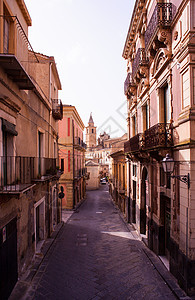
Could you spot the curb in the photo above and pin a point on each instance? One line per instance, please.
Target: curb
(24, 282)
(155, 260)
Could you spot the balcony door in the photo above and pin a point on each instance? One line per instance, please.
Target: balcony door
(6, 30)
(8, 161)
(167, 105)
(40, 152)
(144, 200)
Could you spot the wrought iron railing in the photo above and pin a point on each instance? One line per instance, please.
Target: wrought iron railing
(127, 82)
(78, 173)
(21, 35)
(79, 142)
(162, 16)
(18, 171)
(57, 109)
(159, 135)
(133, 144)
(140, 59)
(84, 171)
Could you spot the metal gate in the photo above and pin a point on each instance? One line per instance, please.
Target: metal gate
(8, 259)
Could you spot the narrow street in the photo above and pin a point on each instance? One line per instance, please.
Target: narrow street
(96, 257)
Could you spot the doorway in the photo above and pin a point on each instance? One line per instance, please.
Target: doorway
(8, 258)
(166, 220)
(39, 221)
(144, 195)
(134, 202)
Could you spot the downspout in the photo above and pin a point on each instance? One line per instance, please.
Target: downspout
(50, 113)
(73, 163)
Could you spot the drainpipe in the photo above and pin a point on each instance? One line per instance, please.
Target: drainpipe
(73, 162)
(50, 113)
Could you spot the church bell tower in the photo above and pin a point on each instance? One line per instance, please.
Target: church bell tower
(90, 133)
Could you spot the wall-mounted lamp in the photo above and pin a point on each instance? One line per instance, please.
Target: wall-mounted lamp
(168, 167)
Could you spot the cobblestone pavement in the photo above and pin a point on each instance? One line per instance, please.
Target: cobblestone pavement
(95, 256)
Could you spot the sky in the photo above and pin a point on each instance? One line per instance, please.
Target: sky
(86, 38)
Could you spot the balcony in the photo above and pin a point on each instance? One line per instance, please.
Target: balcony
(139, 60)
(15, 61)
(84, 171)
(57, 109)
(158, 136)
(134, 144)
(79, 144)
(19, 173)
(162, 17)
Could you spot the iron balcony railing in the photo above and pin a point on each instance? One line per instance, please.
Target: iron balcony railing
(162, 16)
(78, 142)
(133, 144)
(17, 172)
(159, 135)
(128, 82)
(80, 172)
(57, 109)
(84, 171)
(140, 59)
(19, 34)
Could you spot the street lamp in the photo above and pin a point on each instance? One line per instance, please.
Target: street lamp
(168, 167)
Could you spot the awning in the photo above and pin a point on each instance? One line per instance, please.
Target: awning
(9, 127)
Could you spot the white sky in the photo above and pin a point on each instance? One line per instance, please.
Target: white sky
(86, 38)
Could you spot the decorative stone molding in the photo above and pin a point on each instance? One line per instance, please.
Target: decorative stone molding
(159, 61)
(165, 37)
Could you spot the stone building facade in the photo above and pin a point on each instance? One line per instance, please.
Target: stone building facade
(118, 177)
(93, 181)
(160, 91)
(98, 150)
(72, 157)
(29, 113)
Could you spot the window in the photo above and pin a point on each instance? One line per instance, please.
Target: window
(68, 126)
(69, 161)
(167, 106)
(145, 116)
(8, 160)
(62, 164)
(134, 126)
(123, 177)
(186, 89)
(8, 32)
(40, 151)
(6, 35)
(92, 130)
(164, 105)
(135, 170)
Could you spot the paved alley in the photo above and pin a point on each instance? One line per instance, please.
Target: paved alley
(96, 257)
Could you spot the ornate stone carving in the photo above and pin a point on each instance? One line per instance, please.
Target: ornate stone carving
(161, 57)
(165, 37)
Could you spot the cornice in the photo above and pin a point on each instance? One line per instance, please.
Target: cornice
(72, 111)
(9, 103)
(132, 27)
(25, 12)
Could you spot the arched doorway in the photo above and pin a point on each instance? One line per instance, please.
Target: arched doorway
(144, 195)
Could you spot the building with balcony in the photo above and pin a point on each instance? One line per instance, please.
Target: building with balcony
(118, 177)
(72, 157)
(159, 51)
(29, 208)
